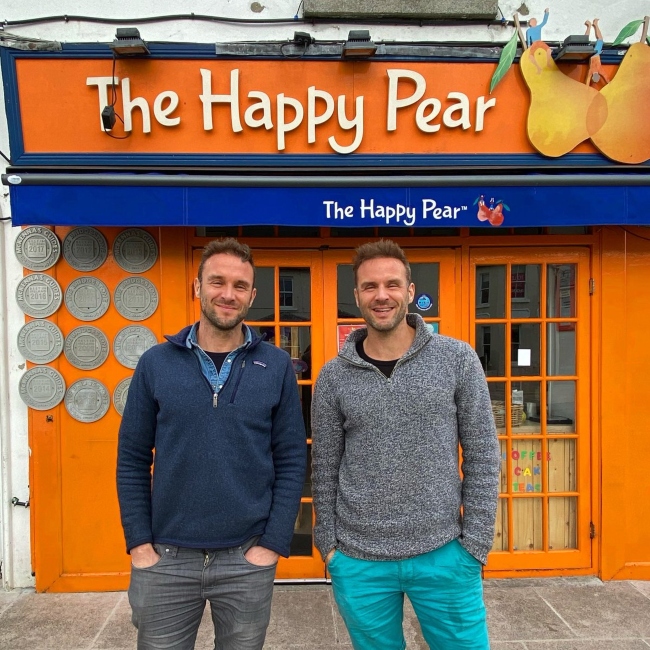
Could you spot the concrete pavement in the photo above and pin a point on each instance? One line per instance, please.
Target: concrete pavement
(544, 614)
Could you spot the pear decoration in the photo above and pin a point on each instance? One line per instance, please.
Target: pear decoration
(625, 135)
(563, 112)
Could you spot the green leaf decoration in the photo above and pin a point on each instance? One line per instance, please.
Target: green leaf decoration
(628, 31)
(507, 57)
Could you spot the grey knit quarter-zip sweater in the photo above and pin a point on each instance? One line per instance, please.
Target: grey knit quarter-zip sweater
(385, 461)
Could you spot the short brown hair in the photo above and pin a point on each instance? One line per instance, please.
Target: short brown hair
(230, 246)
(379, 249)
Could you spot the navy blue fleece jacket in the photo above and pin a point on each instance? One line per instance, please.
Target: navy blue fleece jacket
(221, 475)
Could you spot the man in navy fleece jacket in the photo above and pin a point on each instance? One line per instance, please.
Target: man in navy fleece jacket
(221, 409)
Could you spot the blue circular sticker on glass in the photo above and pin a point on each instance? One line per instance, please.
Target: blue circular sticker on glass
(424, 302)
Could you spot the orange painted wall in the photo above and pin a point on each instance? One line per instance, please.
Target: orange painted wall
(625, 396)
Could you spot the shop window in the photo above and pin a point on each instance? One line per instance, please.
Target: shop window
(286, 292)
(484, 289)
(518, 281)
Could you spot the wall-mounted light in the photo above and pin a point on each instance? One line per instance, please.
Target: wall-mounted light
(575, 48)
(358, 45)
(128, 42)
(108, 118)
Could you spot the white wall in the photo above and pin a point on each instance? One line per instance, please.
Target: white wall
(565, 18)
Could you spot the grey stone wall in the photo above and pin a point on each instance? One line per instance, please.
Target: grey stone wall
(407, 9)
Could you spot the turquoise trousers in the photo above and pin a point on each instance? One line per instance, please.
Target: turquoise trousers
(444, 586)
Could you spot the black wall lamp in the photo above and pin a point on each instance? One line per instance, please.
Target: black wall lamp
(358, 45)
(128, 42)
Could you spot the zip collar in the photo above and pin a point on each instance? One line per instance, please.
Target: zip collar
(423, 335)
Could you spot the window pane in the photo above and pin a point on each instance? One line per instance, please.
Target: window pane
(525, 288)
(301, 543)
(526, 395)
(526, 456)
(560, 290)
(561, 349)
(562, 522)
(263, 308)
(426, 278)
(490, 291)
(306, 490)
(561, 465)
(561, 406)
(525, 348)
(347, 306)
(491, 348)
(497, 397)
(295, 294)
(503, 473)
(527, 524)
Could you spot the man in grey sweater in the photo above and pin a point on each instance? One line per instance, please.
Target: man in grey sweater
(388, 416)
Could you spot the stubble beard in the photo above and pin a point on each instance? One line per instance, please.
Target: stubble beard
(219, 323)
(387, 326)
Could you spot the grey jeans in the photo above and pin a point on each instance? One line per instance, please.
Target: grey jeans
(168, 599)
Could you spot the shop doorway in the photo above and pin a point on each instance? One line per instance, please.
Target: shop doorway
(305, 305)
(530, 325)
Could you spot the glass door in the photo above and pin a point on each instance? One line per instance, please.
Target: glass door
(437, 293)
(530, 326)
(288, 311)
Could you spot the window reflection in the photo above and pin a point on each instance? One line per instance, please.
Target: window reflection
(490, 291)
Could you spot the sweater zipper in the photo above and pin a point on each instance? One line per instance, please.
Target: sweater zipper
(241, 372)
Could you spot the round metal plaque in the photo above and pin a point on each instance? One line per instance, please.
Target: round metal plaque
(42, 388)
(131, 342)
(87, 400)
(37, 248)
(85, 249)
(87, 298)
(135, 250)
(86, 347)
(40, 341)
(38, 295)
(120, 394)
(136, 298)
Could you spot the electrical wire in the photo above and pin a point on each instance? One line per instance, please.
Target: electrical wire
(112, 105)
(2, 153)
(250, 21)
(629, 232)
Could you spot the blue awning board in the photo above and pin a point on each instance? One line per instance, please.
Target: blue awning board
(529, 206)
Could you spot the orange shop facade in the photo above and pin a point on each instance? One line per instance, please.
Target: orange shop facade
(540, 262)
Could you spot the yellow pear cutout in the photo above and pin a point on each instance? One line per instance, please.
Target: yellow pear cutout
(563, 112)
(625, 135)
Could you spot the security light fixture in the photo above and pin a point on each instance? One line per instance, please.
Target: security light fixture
(128, 42)
(358, 45)
(575, 48)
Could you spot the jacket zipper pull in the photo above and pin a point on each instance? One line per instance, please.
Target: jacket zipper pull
(215, 399)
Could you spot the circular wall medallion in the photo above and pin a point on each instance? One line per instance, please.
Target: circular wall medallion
(87, 298)
(37, 248)
(135, 250)
(86, 347)
(85, 249)
(424, 302)
(38, 295)
(120, 394)
(42, 388)
(87, 400)
(136, 298)
(40, 341)
(131, 342)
